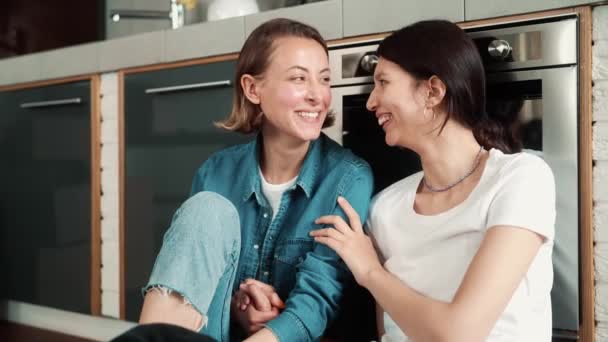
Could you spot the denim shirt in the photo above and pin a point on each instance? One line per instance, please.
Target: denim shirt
(308, 276)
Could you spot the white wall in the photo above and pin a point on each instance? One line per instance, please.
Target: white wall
(600, 171)
(110, 198)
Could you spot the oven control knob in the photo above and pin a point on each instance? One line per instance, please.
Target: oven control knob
(499, 49)
(368, 63)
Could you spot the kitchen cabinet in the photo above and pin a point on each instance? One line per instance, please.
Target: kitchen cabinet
(368, 17)
(168, 134)
(481, 9)
(325, 16)
(45, 196)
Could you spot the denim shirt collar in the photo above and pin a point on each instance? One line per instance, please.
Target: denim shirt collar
(307, 177)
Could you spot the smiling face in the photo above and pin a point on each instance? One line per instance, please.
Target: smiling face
(294, 92)
(399, 101)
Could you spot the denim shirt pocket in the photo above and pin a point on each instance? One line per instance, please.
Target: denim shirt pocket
(288, 256)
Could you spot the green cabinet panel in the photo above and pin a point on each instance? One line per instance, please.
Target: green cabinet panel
(45, 196)
(169, 133)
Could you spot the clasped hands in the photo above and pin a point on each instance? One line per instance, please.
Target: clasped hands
(255, 304)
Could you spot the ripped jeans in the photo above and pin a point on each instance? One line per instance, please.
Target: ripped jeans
(199, 258)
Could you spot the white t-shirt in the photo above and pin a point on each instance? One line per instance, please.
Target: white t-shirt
(432, 253)
(273, 192)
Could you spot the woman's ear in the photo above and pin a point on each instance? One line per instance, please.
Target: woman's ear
(436, 89)
(250, 87)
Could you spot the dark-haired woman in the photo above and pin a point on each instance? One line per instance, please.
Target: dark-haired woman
(245, 229)
(463, 248)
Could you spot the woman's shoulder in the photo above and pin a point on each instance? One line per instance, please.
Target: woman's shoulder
(229, 158)
(335, 155)
(528, 163)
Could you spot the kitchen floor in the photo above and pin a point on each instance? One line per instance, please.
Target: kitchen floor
(16, 333)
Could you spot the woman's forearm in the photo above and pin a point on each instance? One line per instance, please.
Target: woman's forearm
(423, 318)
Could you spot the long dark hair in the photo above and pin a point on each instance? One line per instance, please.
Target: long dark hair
(442, 49)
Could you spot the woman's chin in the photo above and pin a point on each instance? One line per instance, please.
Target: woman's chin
(309, 133)
(389, 140)
(312, 136)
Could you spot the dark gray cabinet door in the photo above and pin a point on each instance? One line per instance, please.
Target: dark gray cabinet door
(45, 196)
(169, 133)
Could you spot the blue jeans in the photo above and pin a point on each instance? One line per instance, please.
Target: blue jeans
(199, 258)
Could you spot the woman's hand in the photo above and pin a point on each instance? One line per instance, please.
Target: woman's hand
(349, 241)
(255, 304)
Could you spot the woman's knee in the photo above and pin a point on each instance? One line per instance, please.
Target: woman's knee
(204, 215)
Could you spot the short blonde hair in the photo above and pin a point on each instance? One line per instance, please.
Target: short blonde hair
(254, 58)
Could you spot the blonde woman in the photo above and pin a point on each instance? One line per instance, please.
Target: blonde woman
(246, 227)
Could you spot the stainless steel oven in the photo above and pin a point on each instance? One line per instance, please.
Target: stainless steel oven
(532, 85)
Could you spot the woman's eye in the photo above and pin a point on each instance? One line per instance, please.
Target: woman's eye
(298, 78)
(382, 82)
(327, 79)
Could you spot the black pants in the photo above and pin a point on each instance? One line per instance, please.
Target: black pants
(160, 332)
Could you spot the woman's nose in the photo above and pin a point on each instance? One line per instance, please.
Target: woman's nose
(315, 89)
(372, 104)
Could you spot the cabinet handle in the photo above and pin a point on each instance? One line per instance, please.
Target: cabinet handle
(51, 103)
(225, 83)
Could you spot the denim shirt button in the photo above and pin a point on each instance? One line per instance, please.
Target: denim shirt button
(265, 215)
(256, 246)
(266, 273)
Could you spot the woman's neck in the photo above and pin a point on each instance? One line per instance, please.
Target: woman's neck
(282, 157)
(450, 156)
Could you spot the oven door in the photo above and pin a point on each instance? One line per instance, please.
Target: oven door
(357, 129)
(541, 106)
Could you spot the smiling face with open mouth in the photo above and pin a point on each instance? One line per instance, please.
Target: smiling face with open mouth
(398, 102)
(294, 90)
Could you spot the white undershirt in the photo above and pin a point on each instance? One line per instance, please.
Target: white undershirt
(273, 192)
(431, 253)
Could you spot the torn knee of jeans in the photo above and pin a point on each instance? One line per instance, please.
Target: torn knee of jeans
(166, 292)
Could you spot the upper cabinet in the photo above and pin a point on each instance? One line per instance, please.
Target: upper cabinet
(367, 17)
(169, 133)
(45, 197)
(481, 9)
(325, 16)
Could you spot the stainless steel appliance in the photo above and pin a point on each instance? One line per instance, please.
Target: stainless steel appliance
(532, 83)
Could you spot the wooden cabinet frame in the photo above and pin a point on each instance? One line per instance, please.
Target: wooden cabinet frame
(95, 118)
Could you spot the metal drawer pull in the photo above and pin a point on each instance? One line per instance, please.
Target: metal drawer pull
(51, 103)
(188, 87)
